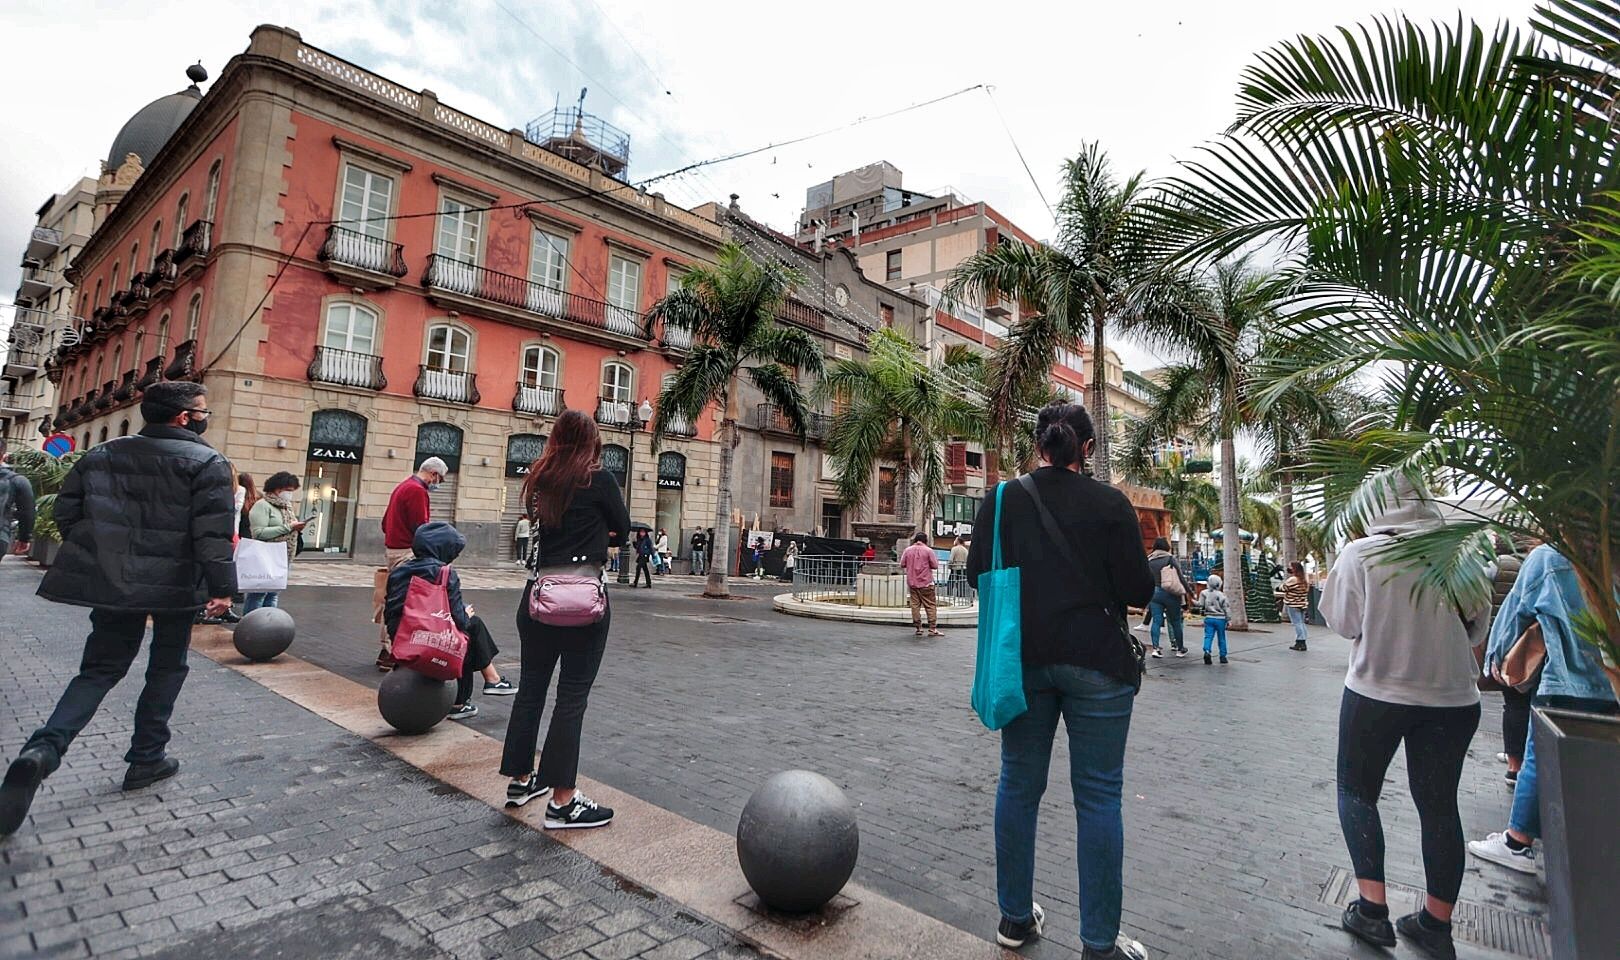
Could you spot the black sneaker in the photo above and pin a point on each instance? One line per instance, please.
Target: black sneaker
(17, 791)
(231, 616)
(1014, 935)
(145, 774)
(580, 813)
(464, 711)
(1379, 933)
(500, 688)
(1298, 646)
(1435, 943)
(1124, 949)
(517, 794)
(1223, 659)
(1208, 660)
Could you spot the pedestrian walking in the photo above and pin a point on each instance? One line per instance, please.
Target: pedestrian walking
(1546, 595)
(1170, 592)
(1296, 591)
(1515, 702)
(520, 535)
(408, 508)
(1411, 680)
(959, 557)
(644, 553)
(1216, 611)
(16, 506)
(1080, 665)
(436, 546)
(274, 519)
(757, 556)
(146, 525)
(661, 547)
(575, 506)
(919, 562)
(700, 547)
(790, 559)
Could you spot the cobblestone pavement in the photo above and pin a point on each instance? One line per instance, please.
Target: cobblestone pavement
(1232, 835)
(282, 836)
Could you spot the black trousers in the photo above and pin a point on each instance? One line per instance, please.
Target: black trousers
(579, 651)
(1437, 741)
(481, 651)
(1515, 721)
(115, 639)
(641, 568)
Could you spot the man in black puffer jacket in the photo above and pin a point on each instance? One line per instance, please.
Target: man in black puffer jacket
(146, 527)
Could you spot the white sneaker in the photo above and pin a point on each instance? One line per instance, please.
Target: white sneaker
(1124, 949)
(1495, 849)
(1501, 758)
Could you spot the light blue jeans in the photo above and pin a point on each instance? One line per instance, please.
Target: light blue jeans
(1525, 817)
(1096, 710)
(253, 601)
(1296, 616)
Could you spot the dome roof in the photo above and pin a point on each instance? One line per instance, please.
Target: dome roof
(151, 126)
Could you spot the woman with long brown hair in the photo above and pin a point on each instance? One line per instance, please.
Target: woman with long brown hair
(574, 507)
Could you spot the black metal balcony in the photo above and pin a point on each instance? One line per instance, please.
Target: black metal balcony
(772, 420)
(195, 243)
(153, 372)
(351, 248)
(184, 364)
(61, 418)
(517, 293)
(617, 413)
(451, 386)
(105, 399)
(347, 368)
(539, 401)
(126, 387)
(163, 272)
(679, 426)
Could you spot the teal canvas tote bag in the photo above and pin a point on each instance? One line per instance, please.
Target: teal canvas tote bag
(998, 674)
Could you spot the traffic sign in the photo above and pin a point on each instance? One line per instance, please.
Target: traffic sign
(59, 445)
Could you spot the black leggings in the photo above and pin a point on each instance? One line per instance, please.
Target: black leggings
(481, 651)
(1436, 743)
(1515, 721)
(579, 651)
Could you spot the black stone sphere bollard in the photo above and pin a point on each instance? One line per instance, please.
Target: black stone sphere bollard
(798, 841)
(264, 634)
(413, 703)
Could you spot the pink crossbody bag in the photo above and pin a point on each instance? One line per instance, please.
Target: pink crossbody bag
(563, 599)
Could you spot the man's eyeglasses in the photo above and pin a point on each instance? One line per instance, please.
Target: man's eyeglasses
(195, 413)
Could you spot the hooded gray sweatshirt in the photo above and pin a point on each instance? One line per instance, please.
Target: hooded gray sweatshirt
(1406, 649)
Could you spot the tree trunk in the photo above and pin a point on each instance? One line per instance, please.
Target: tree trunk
(720, 549)
(1231, 544)
(905, 502)
(1099, 397)
(1290, 530)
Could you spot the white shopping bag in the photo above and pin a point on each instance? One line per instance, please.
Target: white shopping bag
(261, 567)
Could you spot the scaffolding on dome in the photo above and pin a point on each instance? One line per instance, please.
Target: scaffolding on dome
(583, 138)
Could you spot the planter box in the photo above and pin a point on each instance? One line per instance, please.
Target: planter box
(1577, 767)
(43, 552)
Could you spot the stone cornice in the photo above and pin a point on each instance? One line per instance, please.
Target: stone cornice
(369, 155)
(466, 189)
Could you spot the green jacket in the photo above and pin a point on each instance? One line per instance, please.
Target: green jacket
(273, 523)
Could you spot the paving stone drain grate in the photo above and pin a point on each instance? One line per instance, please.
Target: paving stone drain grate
(1496, 928)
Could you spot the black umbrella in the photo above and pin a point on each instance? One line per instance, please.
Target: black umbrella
(638, 525)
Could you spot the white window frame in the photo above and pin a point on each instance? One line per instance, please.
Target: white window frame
(363, 218)
(548, 259)
(460, 224)
(351, 312)
(194, 317)
(621, 389)
(536, 374)
(181, 209)
(448, 354)
(620, 267)
(211, 204)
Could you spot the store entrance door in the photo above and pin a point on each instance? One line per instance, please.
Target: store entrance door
(337, 444)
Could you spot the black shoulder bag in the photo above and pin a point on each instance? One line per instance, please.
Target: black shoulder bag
(1133, 647)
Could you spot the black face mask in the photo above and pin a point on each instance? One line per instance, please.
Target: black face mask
(195, 426)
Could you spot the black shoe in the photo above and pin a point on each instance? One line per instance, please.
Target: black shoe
(1208, 660)
(17, 791)
(1298, 646)
(1223, 659)
(580, 813)
(500, 688)
(517, 794)
(145, 774)
(1435, 943)
(1379, 933)
(1014, 935)
(231, 616)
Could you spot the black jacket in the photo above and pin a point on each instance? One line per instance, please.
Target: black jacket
(1063, 620)
(16, 500)
(436, 546)
(146, 524)
(594, 520)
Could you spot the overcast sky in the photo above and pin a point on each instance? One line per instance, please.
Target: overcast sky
(703, 78)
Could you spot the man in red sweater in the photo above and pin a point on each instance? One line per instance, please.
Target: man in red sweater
(407, 509)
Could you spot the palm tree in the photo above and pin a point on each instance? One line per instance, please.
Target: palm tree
(730, 310)
(894, 408)
(1096, 273)
(1194, 504)
(1441, 199)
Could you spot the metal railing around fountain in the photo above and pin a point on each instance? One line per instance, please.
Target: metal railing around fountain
(870, 583)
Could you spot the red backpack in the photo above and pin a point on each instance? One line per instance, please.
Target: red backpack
(427, 640)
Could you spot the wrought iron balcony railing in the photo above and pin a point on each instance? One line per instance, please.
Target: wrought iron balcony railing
(453, 386)
(184, 363)
(126, 387)
(353, 248)
(616, 413)
(679, 426)
(347, 368)
(471, 280)
(105, 399)
(196, 242)
(163, 273)
(768, 417)
(154, 369)
(540, 401)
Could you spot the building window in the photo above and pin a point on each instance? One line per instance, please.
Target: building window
(886, 314)
(886, 490)
(140, 345)
(118, 361)
(123, 428)
(548, 260)
(180, 219)
(449, 348)
(541, 367)
(114, 287)
(352, 327)
(617, 381)
(367, 199)
(157, 243)
(624, 283)
(134, 259)
(213, 192)
(163, 336)
(459, 227)
(781, 479)
(975, 460)
(956, 508)
(892, 265)
(193, 317)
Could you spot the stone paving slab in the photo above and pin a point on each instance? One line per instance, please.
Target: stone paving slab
(283, 835)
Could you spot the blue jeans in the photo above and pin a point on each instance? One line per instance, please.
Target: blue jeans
(1215, 627)
(698, 566)
(1296, 616)
(253, 601)
(1096, 710)
(1525, 817)
(1171, 613)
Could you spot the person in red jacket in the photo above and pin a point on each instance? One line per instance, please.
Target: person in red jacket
(407, 510)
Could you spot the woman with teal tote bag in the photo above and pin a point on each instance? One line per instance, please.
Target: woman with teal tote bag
(998, 676)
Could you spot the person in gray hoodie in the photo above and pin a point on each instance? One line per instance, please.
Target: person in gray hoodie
(1216, 609)
(1411, 680)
